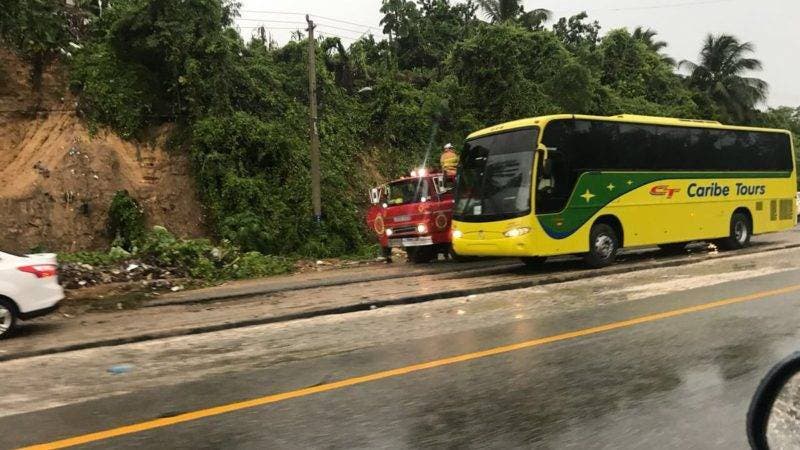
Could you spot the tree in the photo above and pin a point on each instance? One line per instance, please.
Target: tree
(720, 74)
(646, 36)
(37, 31)
(498, 11)
(576, 34)
(635, 71)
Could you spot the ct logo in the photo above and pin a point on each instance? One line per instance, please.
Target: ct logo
(663, 190)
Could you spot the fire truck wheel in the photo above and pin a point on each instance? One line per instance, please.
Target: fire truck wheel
(421, 255)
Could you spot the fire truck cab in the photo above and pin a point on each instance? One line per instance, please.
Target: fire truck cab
(414, 213)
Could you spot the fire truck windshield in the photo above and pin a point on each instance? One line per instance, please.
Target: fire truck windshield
(410, 190)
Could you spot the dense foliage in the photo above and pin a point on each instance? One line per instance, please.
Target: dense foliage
(386, 104)
(126, 222)
(196, 258)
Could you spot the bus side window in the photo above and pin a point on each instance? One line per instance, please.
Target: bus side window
(552, 193)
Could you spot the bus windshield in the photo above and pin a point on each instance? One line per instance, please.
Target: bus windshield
(410, 190)
(494, 179)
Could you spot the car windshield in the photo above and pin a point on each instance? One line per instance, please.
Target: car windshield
(494, 180)
(409, 190)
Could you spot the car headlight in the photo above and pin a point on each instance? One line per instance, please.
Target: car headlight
(457, 234)
(422, 228)
(516, 232)
(389, 232)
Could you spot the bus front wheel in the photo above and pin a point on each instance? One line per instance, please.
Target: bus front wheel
(603, 246)
(740, 232)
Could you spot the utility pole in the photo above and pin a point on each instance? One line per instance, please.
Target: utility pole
(312, 119)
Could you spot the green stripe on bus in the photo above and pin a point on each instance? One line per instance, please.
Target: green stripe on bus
(595, 190)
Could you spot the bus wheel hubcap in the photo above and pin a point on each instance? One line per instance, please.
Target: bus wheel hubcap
(740, 231)
(5, 319)
(604, 245)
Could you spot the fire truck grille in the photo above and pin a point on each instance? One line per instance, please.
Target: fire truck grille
(405, 230)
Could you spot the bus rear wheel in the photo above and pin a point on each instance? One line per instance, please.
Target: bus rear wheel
(741, 230)
(603, 246)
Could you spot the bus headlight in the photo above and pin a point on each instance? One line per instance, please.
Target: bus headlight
(389, 232)
(422, 228)
(516, 232)
(457, 234)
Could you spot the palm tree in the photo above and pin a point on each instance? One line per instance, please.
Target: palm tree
(498, 11)
(720, 74)
(646, 36)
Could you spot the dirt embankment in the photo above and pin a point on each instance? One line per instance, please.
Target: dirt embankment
(57, 181)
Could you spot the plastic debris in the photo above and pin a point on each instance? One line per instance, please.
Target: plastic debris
(120, 369)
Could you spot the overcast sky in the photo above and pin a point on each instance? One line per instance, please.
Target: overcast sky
(769, 24)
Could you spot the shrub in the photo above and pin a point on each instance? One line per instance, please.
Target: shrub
(201, 259)
(125, 220)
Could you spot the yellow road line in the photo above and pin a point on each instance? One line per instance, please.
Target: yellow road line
(222, 409)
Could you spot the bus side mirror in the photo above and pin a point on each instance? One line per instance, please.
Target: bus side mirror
(547, 165)
(547, 168)
(374, 196)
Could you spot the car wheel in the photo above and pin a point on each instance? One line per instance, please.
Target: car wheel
(8, 317)
(603, 246)
(740, 232)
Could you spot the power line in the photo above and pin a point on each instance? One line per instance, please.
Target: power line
(288, 13)
(273, 12)
(321, 33)
(349, 23)
(294, 22)
(327, 35)
(632, 8)
(326, 25)
(340, 28)
(272, 28)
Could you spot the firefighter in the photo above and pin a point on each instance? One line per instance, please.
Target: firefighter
(449, 160)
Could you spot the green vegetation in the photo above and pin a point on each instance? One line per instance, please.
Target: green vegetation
(241, 106)
(37, 30)
(125, 221)
(720, 75)
(203, 260)
(196, 258)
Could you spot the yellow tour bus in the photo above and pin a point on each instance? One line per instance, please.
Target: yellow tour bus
(590, 185)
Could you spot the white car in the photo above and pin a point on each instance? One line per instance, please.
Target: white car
(28, 288)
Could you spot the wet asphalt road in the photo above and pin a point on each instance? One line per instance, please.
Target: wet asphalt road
(679, 382)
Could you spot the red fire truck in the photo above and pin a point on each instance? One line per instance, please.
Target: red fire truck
(414, 213)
